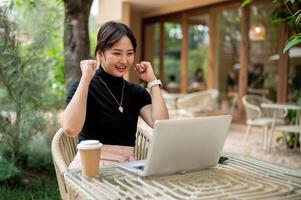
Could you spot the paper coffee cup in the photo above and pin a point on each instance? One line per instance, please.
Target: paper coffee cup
(89, 151)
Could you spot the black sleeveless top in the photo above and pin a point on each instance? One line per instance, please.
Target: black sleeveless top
(104, 121)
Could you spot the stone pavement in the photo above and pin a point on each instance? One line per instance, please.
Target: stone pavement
(279, 154)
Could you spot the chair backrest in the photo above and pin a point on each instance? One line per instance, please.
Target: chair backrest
(252, 104)
(142, 143)
(203, 100)
(63, 149)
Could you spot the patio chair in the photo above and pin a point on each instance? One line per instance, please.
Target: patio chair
(257, 116)
(63, 150)
(169, 100)
(197, 103)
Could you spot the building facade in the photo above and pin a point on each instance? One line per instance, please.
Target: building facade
(238, 50)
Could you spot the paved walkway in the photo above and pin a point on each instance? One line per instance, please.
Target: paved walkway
(279, 153)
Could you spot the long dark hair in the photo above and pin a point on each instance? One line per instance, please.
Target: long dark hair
(111, 32)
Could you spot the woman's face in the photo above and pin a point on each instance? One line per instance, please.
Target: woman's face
(119, 58)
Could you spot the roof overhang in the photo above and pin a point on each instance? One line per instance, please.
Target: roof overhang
(151, 8)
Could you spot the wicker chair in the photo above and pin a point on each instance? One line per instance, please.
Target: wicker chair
(63, 150)
(197, 103)
(257, 116)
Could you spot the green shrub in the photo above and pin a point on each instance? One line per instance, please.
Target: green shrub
(7, 169)
(24, 131)
(38, 151)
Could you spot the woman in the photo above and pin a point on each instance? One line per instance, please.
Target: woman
(104, 106)
(198, 83)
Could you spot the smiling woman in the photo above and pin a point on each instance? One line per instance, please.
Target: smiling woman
(117, 55)
(102, 105)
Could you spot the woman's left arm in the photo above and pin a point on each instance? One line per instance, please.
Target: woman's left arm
(157, 110)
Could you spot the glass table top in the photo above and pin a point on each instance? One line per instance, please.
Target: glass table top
(238, 178)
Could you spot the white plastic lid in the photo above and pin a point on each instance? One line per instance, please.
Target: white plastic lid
(89, 144)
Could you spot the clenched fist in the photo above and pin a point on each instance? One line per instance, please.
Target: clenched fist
(145, 71)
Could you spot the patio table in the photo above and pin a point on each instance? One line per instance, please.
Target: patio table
(239, 177)
(288, 128)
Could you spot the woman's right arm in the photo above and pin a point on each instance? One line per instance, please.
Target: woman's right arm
(73, 118)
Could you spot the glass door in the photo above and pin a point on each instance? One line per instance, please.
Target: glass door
(172, 56)
(198, 43)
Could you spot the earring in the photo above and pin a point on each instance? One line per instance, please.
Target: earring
(99, 60)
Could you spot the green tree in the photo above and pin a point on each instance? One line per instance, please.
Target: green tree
(27, 59)
(39, 27)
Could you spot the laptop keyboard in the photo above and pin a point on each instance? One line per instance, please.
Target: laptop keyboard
(221, 160)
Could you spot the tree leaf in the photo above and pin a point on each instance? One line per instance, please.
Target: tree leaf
(292, 41)
(292, 1)
(298, 18)
(245, 2)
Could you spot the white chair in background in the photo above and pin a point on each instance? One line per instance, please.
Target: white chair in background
(197, 103)
(287, 128)
(256, 116)
(171, 102)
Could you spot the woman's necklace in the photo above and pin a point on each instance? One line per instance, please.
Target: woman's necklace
(120, 108)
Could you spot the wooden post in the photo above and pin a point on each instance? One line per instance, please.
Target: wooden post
(211, 50)
(244, 57)
(161, 51)
(282, 65)
(184, 54)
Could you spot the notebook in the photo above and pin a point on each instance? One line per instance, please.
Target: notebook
(181, 145)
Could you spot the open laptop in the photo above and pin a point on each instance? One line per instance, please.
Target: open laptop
(180, 145)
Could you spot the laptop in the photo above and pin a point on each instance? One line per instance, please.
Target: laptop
(181, 145)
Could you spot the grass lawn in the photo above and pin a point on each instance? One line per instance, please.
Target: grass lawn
(34, 185)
